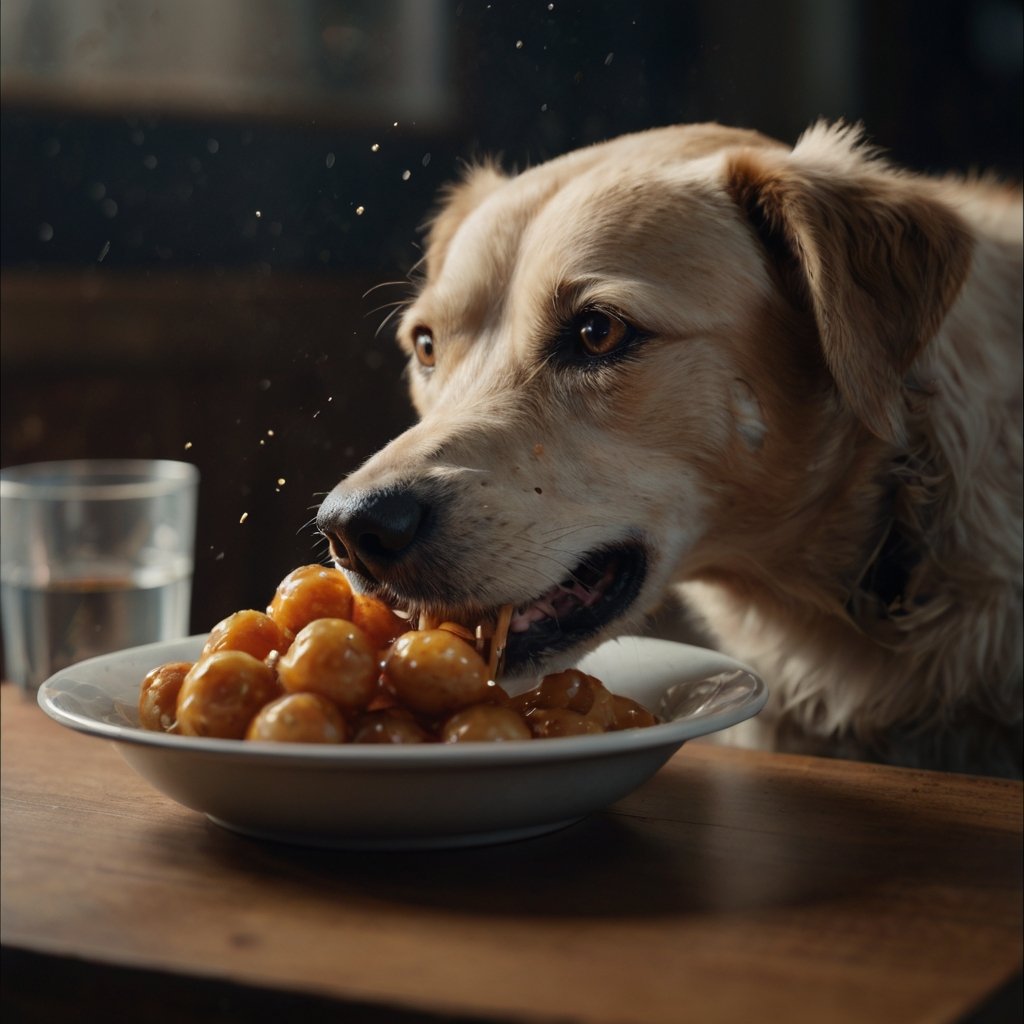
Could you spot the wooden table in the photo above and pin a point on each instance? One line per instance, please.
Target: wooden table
(735, 886)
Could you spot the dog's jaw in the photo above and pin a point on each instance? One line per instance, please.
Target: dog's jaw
(578, 612)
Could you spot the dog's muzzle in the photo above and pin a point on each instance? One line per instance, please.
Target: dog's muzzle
(370, 531)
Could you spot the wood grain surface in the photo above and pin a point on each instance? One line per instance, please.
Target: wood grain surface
(735, 886)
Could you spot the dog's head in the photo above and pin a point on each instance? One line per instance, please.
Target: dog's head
(642, 362)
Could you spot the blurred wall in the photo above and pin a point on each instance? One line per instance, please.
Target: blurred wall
(208, 205)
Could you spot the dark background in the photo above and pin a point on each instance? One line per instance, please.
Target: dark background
(193, 210)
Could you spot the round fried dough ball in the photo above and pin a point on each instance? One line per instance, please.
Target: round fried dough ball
(335, 658)
(251, 631)
(486, 722)
(221, 695)
(299, 718)
(389, 725)
(377, 620)
(308, 593)
(434, 672)
(158, 698)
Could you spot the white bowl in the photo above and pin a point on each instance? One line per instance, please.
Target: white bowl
(383, 796)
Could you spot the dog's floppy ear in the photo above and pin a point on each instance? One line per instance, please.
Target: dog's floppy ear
(875, 259)
(457, 200)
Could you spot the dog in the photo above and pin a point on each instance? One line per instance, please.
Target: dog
(698, 383)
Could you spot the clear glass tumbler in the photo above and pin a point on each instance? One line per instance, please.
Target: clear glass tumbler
(95, 556)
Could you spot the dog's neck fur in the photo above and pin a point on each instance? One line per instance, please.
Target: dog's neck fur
(933, 600)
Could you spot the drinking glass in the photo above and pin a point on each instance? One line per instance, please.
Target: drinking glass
(95, 556)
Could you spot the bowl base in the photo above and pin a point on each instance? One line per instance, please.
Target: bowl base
(430, 842)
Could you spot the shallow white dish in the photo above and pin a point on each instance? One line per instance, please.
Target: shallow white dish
(411, 796)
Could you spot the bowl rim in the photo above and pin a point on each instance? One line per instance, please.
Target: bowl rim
(672, 733)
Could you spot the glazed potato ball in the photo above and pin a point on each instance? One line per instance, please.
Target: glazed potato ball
(485, 722)
(158, 698)
(299, 718)
(308, 593)
(629, 714)
(389, 725)
(324, 664)
(434, 672)
(548, 722)
(377, 620)
(222, 694)
(578, 694)
(335, 658)
(251, 631)
(570, 689)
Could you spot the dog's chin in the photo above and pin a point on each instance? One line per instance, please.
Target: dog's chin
(551, 629)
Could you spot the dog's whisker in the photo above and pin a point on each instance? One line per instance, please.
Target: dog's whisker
(385, 284)
(399, 303)
(384, 322)
(306, 525)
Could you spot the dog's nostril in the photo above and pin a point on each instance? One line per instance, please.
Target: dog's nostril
(371, 531)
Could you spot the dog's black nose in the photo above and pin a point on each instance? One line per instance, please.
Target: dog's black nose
(370, 530)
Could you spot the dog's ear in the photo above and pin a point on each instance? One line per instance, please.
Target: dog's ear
(877, 262)
(457, 201)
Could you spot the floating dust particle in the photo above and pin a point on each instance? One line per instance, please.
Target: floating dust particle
(281, 481)
(375, 148)
(270, 433)
(406, 175)
(259, 213)
(245, 515)
(360, 210)
(188, 445)
(609, 58)
(519, 44)
(329, 160)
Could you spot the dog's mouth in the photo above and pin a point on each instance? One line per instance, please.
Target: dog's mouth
(595, 592)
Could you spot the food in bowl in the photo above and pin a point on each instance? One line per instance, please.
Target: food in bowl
(324, 664)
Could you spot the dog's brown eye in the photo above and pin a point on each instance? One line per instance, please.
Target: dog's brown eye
(600, 333)
(423, 346)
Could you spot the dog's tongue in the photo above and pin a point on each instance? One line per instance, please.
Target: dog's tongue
(560, 600)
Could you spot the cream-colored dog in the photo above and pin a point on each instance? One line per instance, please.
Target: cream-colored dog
(784, 383)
